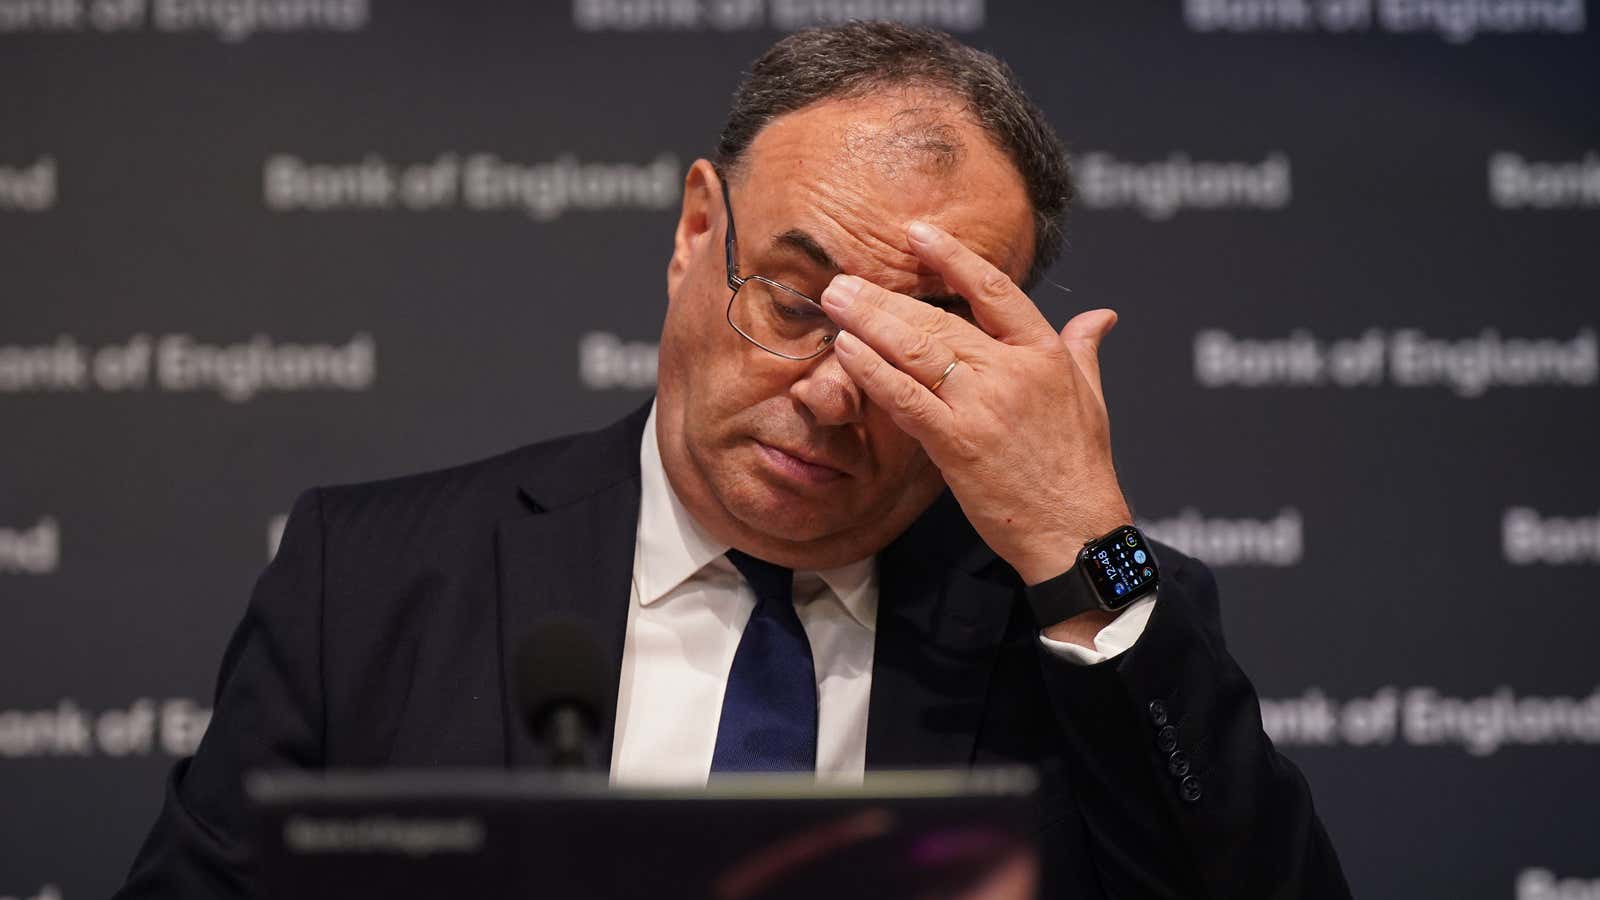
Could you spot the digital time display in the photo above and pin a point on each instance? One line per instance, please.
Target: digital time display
(1122, 567)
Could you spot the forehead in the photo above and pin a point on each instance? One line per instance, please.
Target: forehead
(851, 174)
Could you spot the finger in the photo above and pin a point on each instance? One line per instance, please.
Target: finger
(1001, 308)
(909, 347)
(915, 409)
(854, 302)
(1082, 336)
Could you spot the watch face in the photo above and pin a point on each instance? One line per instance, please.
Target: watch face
(1121, 566)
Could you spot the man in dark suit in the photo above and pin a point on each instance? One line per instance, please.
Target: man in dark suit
(860, 407)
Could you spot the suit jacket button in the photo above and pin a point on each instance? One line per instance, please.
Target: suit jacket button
(1189, 790)
(1167, 739)
(1158, 713)
(1178, 764)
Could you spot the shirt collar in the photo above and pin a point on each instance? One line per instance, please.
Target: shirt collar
(672, 547)
(856, 586)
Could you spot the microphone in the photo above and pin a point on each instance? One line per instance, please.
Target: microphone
(562, 682)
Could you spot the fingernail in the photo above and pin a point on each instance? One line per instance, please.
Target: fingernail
(845, 343)
(922, 232)
(842, 290)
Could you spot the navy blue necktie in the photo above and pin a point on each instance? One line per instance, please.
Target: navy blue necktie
(769, 712)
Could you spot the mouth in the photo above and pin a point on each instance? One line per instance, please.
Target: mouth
(799, 467)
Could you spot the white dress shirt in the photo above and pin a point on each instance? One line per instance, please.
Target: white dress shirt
(686, 612)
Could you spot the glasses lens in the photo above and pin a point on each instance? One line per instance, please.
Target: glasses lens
(781, 320)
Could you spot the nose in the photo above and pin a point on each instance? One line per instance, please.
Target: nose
(828, 392)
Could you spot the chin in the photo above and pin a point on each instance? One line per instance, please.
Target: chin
(781, 514)
(836, 515)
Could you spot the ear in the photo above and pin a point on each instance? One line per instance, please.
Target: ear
(697, 222)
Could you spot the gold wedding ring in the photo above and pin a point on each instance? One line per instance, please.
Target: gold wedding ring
(934, 388)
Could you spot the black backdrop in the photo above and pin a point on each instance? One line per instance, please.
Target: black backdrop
(248, 246)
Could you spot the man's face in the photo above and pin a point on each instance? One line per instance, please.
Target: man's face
(788, 459)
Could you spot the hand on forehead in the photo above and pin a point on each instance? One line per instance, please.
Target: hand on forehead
(837, 183)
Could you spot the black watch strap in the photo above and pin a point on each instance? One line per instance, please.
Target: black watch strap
(1062, 597)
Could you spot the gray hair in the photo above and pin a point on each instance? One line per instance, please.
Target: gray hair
(858, 58)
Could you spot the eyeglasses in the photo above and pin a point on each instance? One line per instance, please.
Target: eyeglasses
(773, 316)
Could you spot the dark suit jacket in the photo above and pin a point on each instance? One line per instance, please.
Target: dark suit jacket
(383, 635)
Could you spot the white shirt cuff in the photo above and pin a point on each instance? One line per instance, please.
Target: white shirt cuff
(1118, 635)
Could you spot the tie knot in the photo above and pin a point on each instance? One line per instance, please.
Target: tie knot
(768, 580)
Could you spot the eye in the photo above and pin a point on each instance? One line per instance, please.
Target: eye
(798, 310)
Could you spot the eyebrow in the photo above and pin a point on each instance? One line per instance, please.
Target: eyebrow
(795, 239)
(798, 240)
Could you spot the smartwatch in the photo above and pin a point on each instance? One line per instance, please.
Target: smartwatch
(1110, 574)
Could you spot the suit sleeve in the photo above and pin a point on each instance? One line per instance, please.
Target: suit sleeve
(268, 713)
(1181, 791)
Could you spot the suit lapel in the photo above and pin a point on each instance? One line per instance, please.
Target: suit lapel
(571, 560)
(940, 624)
